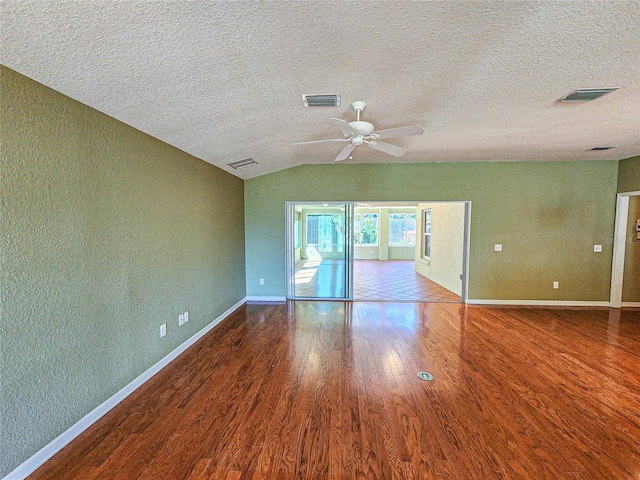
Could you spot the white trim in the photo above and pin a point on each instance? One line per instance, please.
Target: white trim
(630, 304)
(39, 458)
(619, 244)
(258, 298)
(545, 303)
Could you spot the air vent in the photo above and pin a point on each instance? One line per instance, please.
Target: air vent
(597, 149)
(587, 94)
(321, 100)
(247, 162)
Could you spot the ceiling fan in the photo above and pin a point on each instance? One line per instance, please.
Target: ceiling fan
(359, 132)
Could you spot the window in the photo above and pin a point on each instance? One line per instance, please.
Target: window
(402, 229)
(426, 234)
(365, 229)
(325, 232)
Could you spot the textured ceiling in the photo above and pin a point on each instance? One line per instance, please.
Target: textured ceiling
(223, 80)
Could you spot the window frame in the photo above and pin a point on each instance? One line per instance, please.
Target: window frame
(357, 228)
(427, 228)
(405, 220)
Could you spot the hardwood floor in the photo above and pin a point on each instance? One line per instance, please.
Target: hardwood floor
(328, 390)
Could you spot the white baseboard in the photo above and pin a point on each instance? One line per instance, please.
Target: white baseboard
(543, 303)
(266, 299)
(630, 304)
(53, 447)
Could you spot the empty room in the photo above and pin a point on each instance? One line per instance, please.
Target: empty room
(320, 240)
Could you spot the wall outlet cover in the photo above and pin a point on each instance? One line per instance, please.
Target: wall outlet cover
(163, 330)
(597, 248)
(497, 247)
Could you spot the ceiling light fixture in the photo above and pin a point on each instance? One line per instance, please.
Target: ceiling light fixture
(587, 94)
(247, 162)
(331, 100)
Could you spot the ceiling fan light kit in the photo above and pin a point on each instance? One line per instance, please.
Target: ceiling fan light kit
(360, 132)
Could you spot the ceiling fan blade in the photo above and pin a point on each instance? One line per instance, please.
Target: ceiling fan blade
(346, 151)
(321, 141)
(344, 126)
(400, 131)
(387, 148)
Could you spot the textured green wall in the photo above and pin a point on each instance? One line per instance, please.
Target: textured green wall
(629, 181)
(631, 279)
(629, 175)
(106, 234)
(547, 215)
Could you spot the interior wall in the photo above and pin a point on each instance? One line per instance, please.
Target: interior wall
(444, 266)
(629, 175)
(631, 276)
(629, 181)
(547, 215)
(106, 234)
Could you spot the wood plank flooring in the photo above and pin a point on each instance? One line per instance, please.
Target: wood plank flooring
(328, 390)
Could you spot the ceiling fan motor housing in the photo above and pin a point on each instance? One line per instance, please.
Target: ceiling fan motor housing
(363, 128)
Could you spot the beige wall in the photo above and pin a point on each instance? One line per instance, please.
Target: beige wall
(631, 279)
(447, 239)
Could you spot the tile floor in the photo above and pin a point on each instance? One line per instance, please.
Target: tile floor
(393, 280)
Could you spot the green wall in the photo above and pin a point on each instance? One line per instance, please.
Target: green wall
(547, 215)
(106, 234)
(631, 278)
(629, 175)
(629, 181)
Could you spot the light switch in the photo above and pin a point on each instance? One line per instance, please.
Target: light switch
(597, 248)
(497, 247)
(163, 330)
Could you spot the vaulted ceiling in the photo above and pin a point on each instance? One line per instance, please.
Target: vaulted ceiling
(223, 80)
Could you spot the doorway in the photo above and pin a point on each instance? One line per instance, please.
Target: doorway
(374, 251)
(625, 278)
(319, 251)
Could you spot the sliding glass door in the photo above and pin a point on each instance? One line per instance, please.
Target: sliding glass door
(319, 250)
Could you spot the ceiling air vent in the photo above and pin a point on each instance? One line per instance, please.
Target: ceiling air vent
(587, 94)
(597, 149)
(321, 100)
(247, 162)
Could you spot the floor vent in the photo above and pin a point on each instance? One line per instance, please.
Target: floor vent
(425, 376)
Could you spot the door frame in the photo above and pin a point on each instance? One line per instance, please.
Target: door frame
(619, 247)
(350, 207)
(290, 261)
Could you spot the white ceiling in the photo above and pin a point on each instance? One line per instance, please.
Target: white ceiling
(223, 80)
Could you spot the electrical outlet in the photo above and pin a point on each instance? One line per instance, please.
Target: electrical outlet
(163, 330)
(261, 281)
(186, 316)
(556, 284)
(497, 247)
(597, 248)
(181, 320)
